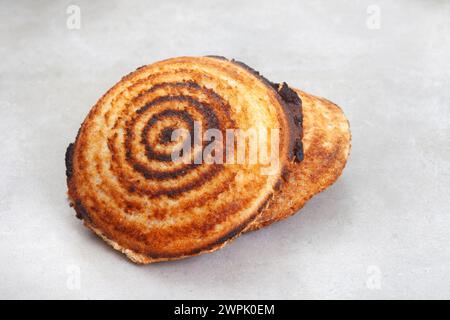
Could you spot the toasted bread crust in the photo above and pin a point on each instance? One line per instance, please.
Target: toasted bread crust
(326, 144)
(124, 188)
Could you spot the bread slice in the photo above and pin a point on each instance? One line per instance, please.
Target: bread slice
(326, 146)
(123, 184)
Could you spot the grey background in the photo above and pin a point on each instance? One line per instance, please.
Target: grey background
(382, 231)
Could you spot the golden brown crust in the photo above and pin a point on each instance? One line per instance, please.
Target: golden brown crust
(326, 143)
(122, 184)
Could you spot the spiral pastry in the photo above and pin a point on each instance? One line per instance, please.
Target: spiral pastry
(122, 178)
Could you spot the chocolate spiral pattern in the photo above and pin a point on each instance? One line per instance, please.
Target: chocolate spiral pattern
(124, 183)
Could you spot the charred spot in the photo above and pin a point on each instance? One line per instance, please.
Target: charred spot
(69, 160)
(298, 119)
(294, 107)
(288, 95)
(229, 235)
(216, 57)
(298, 150)
(255, 72)
(246, 67)
(81, 212)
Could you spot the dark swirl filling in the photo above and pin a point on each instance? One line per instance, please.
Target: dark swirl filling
(157, 118)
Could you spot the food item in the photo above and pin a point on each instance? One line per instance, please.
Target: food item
(155, 173)
(326, 146)
(124, 183)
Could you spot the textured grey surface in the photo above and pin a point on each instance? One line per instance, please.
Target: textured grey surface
(382, 231)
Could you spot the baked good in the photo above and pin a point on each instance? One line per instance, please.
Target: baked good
(152, 171)
(124, 184)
